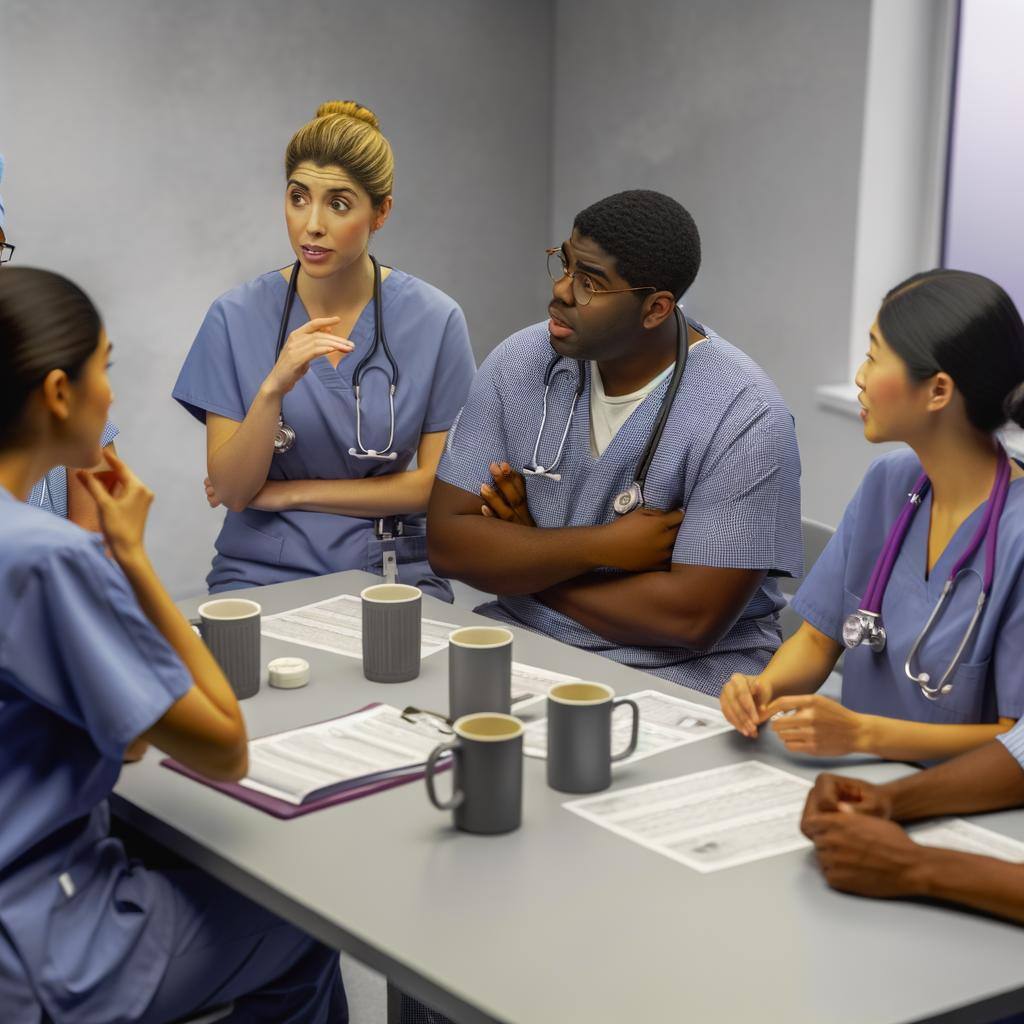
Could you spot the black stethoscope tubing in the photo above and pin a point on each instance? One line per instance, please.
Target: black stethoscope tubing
(285, 437)
(633, 496)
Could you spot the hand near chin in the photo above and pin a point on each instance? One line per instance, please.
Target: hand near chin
(123, 501)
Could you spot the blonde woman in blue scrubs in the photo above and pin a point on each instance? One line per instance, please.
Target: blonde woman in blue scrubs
(359, 389)
(945, 356)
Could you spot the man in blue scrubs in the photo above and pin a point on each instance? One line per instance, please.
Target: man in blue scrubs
(684, 588)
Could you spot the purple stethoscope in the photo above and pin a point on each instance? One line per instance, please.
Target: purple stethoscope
(864, 626)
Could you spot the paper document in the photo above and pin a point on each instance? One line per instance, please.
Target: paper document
(665, 722)
(530, 687)
(336, 625)
(957, 834)
(708, 820)
(320, 759)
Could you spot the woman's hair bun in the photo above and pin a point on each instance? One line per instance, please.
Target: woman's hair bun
(348, 108)
(1014, 405)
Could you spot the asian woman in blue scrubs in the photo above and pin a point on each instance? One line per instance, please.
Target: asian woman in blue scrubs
(356, 409)
(946, 354)
(95, 658)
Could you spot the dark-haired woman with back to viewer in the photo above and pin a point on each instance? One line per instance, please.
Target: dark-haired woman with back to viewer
(94, 658)
(931, 669)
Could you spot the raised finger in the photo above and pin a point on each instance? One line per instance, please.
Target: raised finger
(788, 704)
(518, 481)
(118, 467)
(318, 323)
(306, 356)
(338, 344)
(99, 493)
(736, 713)
(497, 503)
(746, 702)
(507, 489)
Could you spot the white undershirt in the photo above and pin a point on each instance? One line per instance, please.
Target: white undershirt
(607, 414)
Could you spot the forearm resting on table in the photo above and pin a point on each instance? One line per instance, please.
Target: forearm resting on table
(897, 739)
(238, 455)
(988, 778)
(686, 606)
(984, 883)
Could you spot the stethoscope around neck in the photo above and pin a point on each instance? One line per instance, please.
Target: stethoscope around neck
(865, 627)
(284, 436)
(633, 496)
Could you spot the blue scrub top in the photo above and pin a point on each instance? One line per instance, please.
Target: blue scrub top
(51, 492)
(728, 456)
(229, 360)
(989, 682)
(82, 673)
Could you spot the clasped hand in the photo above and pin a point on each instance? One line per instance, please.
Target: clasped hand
(859, 848)
(806, 724)
(305, 344)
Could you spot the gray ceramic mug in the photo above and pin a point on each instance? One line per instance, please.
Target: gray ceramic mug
(479, 670)
(580, 736)
(487, 783)
(392, 624)
(230, 628)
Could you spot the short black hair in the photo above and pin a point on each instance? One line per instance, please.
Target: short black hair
(652, 238)
(967, 326)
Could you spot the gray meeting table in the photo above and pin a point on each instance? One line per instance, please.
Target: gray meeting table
(562, 920)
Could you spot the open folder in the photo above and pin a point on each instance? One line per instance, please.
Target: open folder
(302, 770)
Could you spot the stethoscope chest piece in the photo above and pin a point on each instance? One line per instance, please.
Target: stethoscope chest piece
(864, 628)
(628, 500)
(284, 437)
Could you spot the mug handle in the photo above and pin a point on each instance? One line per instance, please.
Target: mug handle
(634, 735)
(197, 626)
(429, 774)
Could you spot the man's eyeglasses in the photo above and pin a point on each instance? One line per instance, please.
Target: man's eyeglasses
(6, 252)
(583, 287)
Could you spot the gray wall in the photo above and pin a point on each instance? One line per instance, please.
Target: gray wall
(144, 144)
(750, 113)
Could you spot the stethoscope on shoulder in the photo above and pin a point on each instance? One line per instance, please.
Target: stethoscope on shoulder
(284, 437)
(864, 626)
(633, 496)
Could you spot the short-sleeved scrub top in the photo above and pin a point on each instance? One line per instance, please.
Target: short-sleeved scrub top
(728, 456)
(989, 682)
(51, 492)
(82, 674)
(229, 360)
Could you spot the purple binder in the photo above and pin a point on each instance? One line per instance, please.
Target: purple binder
(283, 809)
